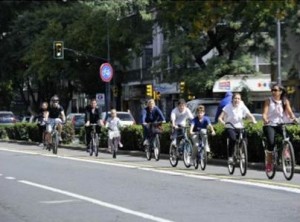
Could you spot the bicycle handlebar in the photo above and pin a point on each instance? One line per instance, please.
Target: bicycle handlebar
(229, 123)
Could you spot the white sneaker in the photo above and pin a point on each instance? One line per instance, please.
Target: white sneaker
(146, 142)
(173, 143)
(230, 159)
(120, 144)
(41, 145)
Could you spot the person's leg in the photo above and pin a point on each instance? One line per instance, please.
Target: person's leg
(195, 141)
(205, 139)
(231, 135)
(87, 136)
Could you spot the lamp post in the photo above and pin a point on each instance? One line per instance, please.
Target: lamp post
(278, 51)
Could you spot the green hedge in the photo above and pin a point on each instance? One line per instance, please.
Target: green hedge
(29, 132)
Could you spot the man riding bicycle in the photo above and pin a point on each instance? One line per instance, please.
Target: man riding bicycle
(150, 114)
(92, 116)
(179, 116)
(56, 114)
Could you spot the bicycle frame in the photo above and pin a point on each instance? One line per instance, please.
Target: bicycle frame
(154, 141)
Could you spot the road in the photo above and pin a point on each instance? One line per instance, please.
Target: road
(37, 186)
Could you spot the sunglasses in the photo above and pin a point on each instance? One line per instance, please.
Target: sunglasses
(55, 101)
(275, 90)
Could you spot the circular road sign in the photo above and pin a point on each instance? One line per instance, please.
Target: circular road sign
(106, 72)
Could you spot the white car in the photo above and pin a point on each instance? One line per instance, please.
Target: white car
(125, 117)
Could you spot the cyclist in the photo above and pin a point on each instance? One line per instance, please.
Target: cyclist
(201, 123)
(234, 113)
(92, 116)
(150, 114)
(114, 125)
(57, 114)
(277, 109)
(179, 117)
(42, 118)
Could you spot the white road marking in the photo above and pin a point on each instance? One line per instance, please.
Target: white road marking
(58, 201)
(97, 202)
(99, 161)
(10, 178)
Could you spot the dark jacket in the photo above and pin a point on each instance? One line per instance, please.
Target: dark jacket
(152, 116)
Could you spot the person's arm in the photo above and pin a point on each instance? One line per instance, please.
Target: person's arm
(173, 118)
(63, 116)
(221, 118)
(192, 127)
(213, 132)
(265, 111)
(144, 114)
(250, 116)
(161, 115)
(289, 110)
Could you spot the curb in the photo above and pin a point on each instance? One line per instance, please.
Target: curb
(138, 153)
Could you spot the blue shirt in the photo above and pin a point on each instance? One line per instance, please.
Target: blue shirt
(200, 124)
(155, 115)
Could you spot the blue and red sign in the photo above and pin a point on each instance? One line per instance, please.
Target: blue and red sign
(106, 72)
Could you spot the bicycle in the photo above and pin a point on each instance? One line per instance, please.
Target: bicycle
(94, 142)
(52, 136)
(183, 148)
(240, 153)
(282, 154)
(154, 141)
(201, 156)
(114, 136)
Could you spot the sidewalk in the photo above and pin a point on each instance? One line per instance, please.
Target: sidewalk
(139, 153)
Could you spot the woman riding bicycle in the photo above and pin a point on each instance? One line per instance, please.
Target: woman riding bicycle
(234, 113)
(92, 116)
(150, 114)
(114, 125)
(276, 110)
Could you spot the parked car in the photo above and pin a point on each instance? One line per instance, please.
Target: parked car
(211, 106)
(7, 117)
(125, 117)
(258, 116)
(77, 120)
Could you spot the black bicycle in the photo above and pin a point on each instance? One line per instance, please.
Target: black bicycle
(154, 131)
(183, 148)
(240, 152)
(94, 142)
(283, 154)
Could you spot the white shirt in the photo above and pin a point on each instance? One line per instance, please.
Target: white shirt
(181, 117)
(275, 113)
(236, 114)
(113, 124)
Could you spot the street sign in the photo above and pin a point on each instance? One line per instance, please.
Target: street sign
(106, 72)
(100, 98)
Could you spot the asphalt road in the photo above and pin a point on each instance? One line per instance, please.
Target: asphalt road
(71, 186)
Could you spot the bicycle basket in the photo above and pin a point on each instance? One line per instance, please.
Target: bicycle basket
(157, 129)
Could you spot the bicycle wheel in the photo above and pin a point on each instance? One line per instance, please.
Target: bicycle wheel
(243, 157)
(173, 156)
(96, 145)
(156, 147)
(187, 154)
(203, 158)
(54, 142)
(196, 159)
(288, 160)
(231, 164)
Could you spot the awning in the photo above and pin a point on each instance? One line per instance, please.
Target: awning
(236, 83)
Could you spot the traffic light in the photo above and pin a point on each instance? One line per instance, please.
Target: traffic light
(58, 50)
(182, 87)
(149, 90)
(157, 95)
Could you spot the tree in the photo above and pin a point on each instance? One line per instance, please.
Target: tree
(233, 29)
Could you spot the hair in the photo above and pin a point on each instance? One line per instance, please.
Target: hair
(200, 108)
(181, 101)
(150, 101)
(283, 94)
(93, 99)
(55, 97)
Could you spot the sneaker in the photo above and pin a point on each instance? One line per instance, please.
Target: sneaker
(269, 167)
(146, 142)
(230, 159)
(59, 139)
(120, 145)
(41, 145)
